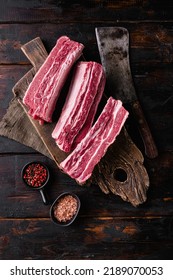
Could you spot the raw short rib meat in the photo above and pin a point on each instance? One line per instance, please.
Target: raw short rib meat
(77, 116)
(43, 92)
(81, 162)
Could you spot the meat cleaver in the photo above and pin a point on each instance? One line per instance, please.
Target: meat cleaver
(113, 45)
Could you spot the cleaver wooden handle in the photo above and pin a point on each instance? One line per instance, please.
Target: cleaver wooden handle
(149, 144)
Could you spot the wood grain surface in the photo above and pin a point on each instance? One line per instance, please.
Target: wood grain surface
(107, 227)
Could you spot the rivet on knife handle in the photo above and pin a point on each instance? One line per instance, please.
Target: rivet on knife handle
(150, 147)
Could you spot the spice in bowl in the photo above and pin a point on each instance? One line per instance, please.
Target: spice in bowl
(35, 174)
(65, 209)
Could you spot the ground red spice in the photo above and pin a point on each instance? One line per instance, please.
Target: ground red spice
(65, 208)
(35, 175)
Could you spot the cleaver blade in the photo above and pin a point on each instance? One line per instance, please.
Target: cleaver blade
(113, 46)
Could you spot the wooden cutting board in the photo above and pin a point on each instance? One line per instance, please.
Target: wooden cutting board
(121, 170)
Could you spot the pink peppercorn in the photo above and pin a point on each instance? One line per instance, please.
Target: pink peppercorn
(35, 175)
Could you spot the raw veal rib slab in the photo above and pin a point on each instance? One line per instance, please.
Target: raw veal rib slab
(43, 92)
(81, 162)
(79, 110)
(91, 115)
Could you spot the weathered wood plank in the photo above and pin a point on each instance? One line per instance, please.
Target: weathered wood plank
(17, 201)
(75, 11)
(101, 238)
(149, 42)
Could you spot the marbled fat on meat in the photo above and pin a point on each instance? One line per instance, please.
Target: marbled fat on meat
(43, 92)
(91, 115)
(85, 92)
(81, 162)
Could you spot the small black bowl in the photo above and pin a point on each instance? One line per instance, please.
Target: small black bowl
(69, 222)
(37, 188)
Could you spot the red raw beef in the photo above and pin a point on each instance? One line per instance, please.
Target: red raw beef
(81, 162)
(43, 92)
(85, 92)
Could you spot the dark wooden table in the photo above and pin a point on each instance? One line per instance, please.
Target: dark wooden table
(107, 227)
